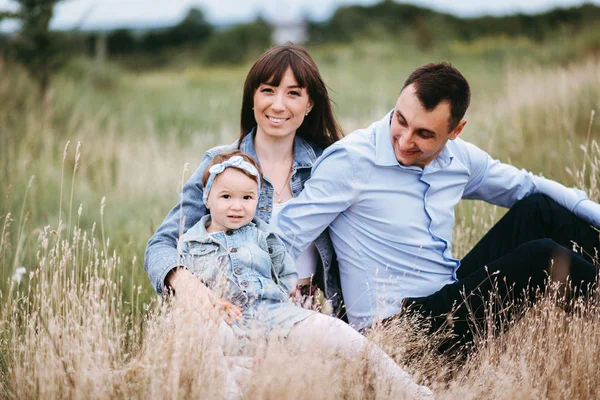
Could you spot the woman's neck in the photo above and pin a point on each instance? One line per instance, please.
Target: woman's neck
(270, 150)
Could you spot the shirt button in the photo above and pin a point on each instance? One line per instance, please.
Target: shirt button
(238, 271)
(244, 283)
(234, 250)
(229, 232)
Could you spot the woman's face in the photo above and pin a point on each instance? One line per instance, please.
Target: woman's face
(280, 110)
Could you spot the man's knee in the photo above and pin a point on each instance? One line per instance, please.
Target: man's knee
(541, 254)
(540, 247)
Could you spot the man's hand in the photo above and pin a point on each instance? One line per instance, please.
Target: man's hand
(191, 294)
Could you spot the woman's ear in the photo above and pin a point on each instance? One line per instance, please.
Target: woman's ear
(310, 107)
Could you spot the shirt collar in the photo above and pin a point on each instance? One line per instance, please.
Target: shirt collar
(384, 151)
(304, 154)
(442, 160)
(198, 232)
(247, 145)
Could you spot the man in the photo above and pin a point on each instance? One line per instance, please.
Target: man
(388, 192)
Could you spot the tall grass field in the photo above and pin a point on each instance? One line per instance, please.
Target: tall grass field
(88, 175)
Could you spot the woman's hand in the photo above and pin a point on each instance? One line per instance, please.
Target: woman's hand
(193, 295)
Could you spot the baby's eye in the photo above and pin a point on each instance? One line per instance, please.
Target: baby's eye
(226, 196)
(248, 197)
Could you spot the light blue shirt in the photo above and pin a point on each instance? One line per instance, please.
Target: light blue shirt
(391, 225)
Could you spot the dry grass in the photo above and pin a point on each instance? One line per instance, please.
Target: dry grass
(79, 323)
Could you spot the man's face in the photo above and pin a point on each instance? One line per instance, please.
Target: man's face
(418, 135)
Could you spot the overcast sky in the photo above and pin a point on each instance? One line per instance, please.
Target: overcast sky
(93, 14)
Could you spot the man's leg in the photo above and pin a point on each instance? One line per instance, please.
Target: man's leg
(518, 275)
(535, 217)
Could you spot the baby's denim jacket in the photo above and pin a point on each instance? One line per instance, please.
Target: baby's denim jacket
(242, 265)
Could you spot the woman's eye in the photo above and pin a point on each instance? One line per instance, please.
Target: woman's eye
(266, 90)
(295, 93)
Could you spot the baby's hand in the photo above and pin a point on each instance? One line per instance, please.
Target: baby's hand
(229, 311)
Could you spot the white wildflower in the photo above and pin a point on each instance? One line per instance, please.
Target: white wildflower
(19, 272)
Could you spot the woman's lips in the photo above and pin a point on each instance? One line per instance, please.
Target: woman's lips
(276, 121)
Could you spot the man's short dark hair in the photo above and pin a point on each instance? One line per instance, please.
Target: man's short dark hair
(437, 82)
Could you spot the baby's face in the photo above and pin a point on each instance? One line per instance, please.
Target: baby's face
(232, 200)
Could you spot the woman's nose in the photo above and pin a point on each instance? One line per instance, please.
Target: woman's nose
(278, 103)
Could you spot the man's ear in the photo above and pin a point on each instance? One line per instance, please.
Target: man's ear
(456, 131)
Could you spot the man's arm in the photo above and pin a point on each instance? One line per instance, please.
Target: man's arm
(330, 190)
(504, 185)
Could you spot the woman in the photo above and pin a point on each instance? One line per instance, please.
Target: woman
(286, 122)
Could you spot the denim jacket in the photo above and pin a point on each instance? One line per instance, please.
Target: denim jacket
(242, 265)
(161, 252)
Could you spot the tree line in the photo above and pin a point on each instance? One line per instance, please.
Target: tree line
(428, 27)
(386, 19)
(216, 46)
(42, 51)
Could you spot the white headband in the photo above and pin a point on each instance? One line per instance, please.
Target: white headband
(235, 161)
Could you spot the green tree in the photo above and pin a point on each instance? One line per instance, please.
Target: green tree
(121, 41)
(193, 30)
(237, 44)
(35, 46)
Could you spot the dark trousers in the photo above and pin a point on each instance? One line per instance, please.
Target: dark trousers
(530, 246)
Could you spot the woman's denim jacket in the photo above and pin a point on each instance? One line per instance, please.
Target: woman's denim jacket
(242, 265)
(161, 252)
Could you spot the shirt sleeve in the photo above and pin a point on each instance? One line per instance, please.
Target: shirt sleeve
(161, 252)
(504, 185)
(330, 190)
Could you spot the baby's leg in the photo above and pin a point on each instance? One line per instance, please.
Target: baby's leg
(227, 339)
(334, 335)
(225, 345)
